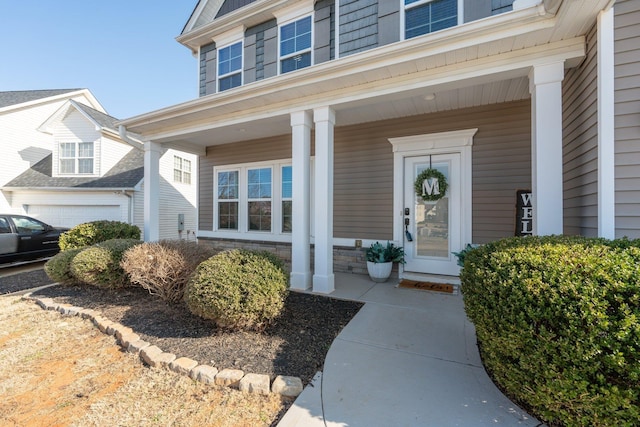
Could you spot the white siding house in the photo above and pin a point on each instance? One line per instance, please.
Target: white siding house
(87, 171)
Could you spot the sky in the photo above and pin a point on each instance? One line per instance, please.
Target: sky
(123, 51)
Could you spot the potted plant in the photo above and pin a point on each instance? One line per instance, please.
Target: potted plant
(380, 260)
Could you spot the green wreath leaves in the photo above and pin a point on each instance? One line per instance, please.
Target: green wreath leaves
(441, 186)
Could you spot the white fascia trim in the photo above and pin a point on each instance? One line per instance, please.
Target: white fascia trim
(238, 235)
(68, 189)
(606, 126)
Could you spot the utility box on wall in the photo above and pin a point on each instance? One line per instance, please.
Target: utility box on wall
(180, 222)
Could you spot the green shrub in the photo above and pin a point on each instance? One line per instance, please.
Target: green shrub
(558, 323)
(58, 268)
(99, 265)
(238, 289)
(164, 268)
(90, 233)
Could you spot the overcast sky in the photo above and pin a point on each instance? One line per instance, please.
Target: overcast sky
(123, 51)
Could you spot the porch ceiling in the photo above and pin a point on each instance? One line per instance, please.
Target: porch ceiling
(478, 63)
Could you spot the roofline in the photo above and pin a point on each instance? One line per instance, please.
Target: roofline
(70, 189)
(47, 99)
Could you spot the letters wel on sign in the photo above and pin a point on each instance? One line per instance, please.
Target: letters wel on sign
(524, 213)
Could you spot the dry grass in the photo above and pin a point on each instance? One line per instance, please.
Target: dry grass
(61, 371)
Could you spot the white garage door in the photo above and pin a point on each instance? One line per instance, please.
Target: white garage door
(70, 215)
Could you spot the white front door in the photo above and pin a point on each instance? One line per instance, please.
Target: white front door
(434, 227)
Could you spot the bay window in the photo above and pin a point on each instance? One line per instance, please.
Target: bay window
(255, 199)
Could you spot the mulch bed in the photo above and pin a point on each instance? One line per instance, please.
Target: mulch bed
(296, 344)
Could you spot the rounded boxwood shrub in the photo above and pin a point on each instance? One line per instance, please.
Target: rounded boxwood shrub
(238, 289)
(58, 268)
(164, 268)
(99, 265)
(90, 233)
(558, 324)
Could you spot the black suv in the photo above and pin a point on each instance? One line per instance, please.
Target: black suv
(23, 238)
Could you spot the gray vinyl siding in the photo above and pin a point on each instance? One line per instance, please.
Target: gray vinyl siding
(580, 144)
(324, 31)
(208, 69)
(477, 9)
(363, 182)
(230, 5)
(363, 168)
(260, 51)
(388, 22)
(358, 26)
(627, 117)
(275, 148)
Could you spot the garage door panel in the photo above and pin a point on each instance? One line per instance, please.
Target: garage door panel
(72, 215)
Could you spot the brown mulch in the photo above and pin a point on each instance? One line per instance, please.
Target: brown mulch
(295, 345)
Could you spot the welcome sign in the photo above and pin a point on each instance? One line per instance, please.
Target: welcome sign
(524, 213)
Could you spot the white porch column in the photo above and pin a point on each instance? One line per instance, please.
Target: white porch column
(152, 152)
(545, 84)
(606, 126)
(301, 123)
(323, 278)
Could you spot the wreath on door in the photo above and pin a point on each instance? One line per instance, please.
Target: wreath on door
(431, 185)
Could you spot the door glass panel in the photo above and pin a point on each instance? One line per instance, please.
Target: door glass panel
(432, 219)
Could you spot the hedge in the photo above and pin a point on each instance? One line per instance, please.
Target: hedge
(90, 233)
(99, 265)
(558, 324)
(238, 289)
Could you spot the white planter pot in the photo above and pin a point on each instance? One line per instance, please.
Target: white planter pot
(379, 271)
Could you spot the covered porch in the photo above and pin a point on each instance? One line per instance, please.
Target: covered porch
(519, 57)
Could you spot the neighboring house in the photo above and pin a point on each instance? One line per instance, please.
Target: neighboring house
(316, 118)
(87, 171)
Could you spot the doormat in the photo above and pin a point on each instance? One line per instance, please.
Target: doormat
(426, 286)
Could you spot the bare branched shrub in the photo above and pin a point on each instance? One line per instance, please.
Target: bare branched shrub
(164, 268)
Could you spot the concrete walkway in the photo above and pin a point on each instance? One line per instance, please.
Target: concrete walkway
(408, 358)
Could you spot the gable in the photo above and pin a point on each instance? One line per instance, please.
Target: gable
(208, 10)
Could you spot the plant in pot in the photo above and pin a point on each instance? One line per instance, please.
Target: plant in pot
(380, 260)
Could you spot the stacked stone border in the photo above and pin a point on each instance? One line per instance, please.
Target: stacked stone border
(153, 356)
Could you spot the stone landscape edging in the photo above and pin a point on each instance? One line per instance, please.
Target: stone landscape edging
(286, 386)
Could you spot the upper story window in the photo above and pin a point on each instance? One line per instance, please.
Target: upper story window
(181, 170)
(295, 45)
(230, 67)
(76, 158)
(427, 16)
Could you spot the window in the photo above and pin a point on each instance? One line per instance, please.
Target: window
(230, 67)
(295, 45)
(259, 199)
(254, 199)
(427, 16)
(4, 226)
(228, 198)
(287, 201)
(181, 170)
(76, 158)
(26, 225)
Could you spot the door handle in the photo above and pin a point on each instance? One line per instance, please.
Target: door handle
(407, 234)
